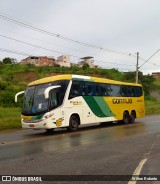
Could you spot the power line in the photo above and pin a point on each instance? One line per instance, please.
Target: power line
(13, 39)
(15, 52)
(112, 63)
(59, 35)
(149, 58)
(140, 58)
(33, 45)
(62, 46)
(154, 64)
(30, 37)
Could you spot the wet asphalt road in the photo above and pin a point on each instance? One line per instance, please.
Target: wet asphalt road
(114, 149)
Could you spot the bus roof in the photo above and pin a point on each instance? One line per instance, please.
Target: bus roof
(78, 77)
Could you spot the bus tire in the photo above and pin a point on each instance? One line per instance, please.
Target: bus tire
(126, 118)
(132, 117)
(73, 123)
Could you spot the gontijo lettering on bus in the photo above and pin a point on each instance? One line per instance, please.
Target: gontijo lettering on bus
(121, 101)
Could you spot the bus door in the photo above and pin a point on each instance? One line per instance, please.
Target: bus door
(88, 92)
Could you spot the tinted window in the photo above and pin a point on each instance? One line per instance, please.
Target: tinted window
(138, 91)
(124, 91)
(115, 90)
(76, 89)
(101, 89)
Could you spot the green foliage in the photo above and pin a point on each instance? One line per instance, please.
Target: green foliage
(28, 67)
(147, 82)
(7, 60)
(3, 85)
(85, 66)
(10, 118)
(129, 76)
(152, 107)
(156, 84)
(115, 74)
(7, 95)
(57, 65)
(10, 84)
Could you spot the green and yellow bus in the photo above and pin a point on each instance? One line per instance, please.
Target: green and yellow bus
(73, 100)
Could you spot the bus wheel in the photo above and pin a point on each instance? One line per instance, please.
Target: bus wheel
(73, 123)
(126, 118)
(132, 117)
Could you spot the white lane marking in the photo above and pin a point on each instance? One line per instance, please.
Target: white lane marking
(137, 171)
(143, 161)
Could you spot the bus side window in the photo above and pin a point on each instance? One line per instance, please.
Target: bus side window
(75, 89)
(83, 88)
(124, 91)
(102, 90)
(108, 90)
(130, 91)
(54, 100)
(88, 88)
(93, 89)
(97, 89)
(138, 91)
(133, 91)
(115, 90)
(61, 90)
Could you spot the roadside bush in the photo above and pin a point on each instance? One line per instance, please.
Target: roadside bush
(7, 97)
(3, 85)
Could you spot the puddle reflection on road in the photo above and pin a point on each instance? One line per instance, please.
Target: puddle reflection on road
(92, 135)
(33, 142)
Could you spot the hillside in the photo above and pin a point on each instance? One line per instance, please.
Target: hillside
(15, 77)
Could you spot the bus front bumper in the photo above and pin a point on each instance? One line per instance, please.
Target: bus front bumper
(38, 125)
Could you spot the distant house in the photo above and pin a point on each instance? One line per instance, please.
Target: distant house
(39, 61)
(87, 60)
(63, 60)
(156, 74)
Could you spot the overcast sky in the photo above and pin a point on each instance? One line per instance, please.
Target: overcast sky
(118, 28)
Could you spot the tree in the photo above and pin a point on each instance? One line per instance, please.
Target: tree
(85, 66)
(7, 60)
(147, 82)
(129, 76)
(57, 65)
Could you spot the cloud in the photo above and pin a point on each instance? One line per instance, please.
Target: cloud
(125, 26)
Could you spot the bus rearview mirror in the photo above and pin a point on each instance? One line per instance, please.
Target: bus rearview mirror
(19, 93)
(46, 92)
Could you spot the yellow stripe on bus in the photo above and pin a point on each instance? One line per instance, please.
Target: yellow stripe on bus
(51, 79)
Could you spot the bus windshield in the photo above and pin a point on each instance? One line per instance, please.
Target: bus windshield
(34, 101)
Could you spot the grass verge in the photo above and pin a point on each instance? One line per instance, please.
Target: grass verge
(152, 107)
(10, 118)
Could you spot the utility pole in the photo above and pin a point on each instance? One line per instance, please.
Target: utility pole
(137, 68)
